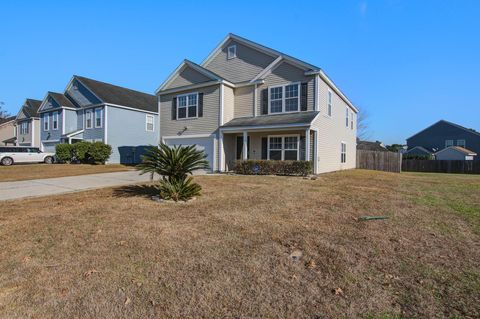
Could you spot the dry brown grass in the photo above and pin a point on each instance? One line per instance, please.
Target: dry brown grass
(226, 254)
(35, 171)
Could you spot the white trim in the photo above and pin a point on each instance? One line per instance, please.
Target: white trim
(159, 120)
(33, 133)
(315, 152)
(221, 154)
(329, 103)
(222, 96)
(105, 131)
(267, 69)
(187, 136)
(187, 106)
(63, 122)
(464, 143)
(147, 116)
(188, 87)
(88, 127)
(245, 145)
(307, 144)
(47, 118)
(255, 127)
(255, 97)
(317, 93)
(423, 149)
(341, 152)
(469, 153)
(118, 106)
(55, 115)
(234, 47)
(74, 133)
(76, 77)
(283, 145)
(95, 117)
(283, 86)
(50, 141)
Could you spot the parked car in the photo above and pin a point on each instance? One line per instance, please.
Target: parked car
(15, 154)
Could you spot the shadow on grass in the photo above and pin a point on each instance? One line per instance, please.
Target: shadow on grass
(136, 191)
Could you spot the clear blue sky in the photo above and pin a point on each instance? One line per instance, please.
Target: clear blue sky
(408, 63)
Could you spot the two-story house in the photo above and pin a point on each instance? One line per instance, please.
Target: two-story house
(247, 101)
(27, 124)
(91, 110)
(442, 135)
(8, 131)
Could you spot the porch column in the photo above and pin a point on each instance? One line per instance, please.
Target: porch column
(245, 146)
(307, 144)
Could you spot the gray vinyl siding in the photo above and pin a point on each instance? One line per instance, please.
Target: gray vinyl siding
(128, 136)
(208, 124)
(70, 124)
(51, 134)
(187, 77)
(244, 67)
(284, 74)
(450, 155)
(50, 104)
(96, 133)
(435, 136)
(81, 95)
(228, 104)
(24, 138)
(244, 101)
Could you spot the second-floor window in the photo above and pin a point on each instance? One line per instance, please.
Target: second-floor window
(351, 120)
(448, 143)
(329, 103)
(187, 106)
(149, 124)
(88, 119)
(285, 98)
(98, 118)
(24, 128)
(346, 117)
(55, 121)
(461, 143)
(46, 122)
(343, 152)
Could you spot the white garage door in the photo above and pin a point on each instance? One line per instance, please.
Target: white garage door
(49, 147)
(204, 143)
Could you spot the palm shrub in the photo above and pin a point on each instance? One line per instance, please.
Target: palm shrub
(174, 164)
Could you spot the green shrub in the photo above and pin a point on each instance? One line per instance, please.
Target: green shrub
(262, 167)
(64, 152)
(80, 151)
(99, 152)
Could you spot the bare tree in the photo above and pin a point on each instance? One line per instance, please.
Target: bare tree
(363, 126)
(3, 113)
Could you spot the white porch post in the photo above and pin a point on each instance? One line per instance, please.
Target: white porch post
(315, 152)
(307, 144)
(221, 154)
(245, 145)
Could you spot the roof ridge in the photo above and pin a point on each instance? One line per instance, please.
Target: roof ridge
(110, 84)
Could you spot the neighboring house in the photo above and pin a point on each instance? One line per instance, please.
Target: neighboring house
(27, 124)
(444, 134)
(7, 131)
(247, 101)
(371, 146)
(91, 110)
(455, 153)
(419, 151)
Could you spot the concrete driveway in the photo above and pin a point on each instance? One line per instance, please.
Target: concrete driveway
(62, 185)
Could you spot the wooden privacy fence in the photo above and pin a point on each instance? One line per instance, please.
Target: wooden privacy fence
(379, 161)
(433, 166)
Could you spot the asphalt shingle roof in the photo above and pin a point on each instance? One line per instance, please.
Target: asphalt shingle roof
(278, 119)
(118, 95)
(7, 119)
(33, 106)
(62, 99)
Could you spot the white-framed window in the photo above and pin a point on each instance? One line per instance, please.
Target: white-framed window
(88, 119)
(283, 147)
(98, 117)
(448, 143)
(346, 117)
(461, 143)
(55, 121)
(187, 106)
(24, 128)
(150, 123)
(343, 152)
(46, 122)
(351, 120)
(284, 98)
(329, 103)
(232, 51)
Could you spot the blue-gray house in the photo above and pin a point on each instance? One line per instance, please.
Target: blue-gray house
(91, 110)
(442, 135)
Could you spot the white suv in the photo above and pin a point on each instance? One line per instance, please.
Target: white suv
(17, 154)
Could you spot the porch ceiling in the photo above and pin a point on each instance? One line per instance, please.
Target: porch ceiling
(287, 119)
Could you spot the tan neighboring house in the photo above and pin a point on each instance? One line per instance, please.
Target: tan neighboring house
(247, 101)
(7, 131)
(453, 153)
(27, 124)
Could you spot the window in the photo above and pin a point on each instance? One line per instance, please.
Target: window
(285, 98)
(329, 103)
(187, 106)
(88, 119)
(283, 147)
(24, 128)
(448, 143)
(346, 117)
(149, 124)
(232, 52)
(351, 120)
(343, 153)
(46, 122)
(55, 121)
(461, 143)
(98, 117)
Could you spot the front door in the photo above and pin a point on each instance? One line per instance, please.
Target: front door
(240, 147)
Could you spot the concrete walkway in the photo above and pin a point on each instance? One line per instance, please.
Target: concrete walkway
(61, 185)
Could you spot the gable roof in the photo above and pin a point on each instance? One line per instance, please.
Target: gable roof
(299, 118)
(117, 95)
(187, 63)
(371, 146)
(30, 108)
(447, 122)
(458, 149)
(61, 99)
(421, 148)
(6, 119)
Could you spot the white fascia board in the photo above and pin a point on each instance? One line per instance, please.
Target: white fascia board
(188, 87)
(264, 127)
(188, 136)
(336, 89)
(128, 108)
(268, 68)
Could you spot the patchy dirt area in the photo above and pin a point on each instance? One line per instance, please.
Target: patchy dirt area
(251, 246)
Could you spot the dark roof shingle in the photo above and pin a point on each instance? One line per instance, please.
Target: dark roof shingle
(118, 95)
(277, 119)
(6, 119)
(62, 99)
